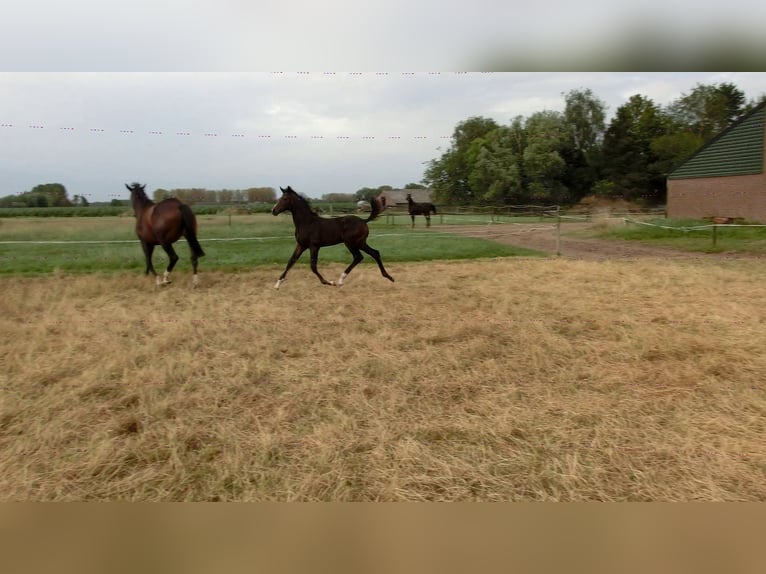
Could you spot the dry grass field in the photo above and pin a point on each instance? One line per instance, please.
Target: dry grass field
(492, 380)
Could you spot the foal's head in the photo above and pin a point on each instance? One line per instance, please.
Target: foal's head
(290, 201)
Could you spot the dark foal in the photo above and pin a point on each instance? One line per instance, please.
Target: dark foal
(313, 232)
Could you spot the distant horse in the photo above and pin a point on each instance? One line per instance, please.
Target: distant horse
(163, 224)
(424, 209)
(313, 232)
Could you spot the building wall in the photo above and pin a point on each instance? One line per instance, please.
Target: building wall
(727, 196)
(723, 196)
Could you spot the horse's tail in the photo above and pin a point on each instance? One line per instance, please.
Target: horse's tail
(190, 230)
(375, 209)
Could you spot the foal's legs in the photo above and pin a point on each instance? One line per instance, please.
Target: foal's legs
(355, 251)
(357, 260)
(413, 220)
(428, 220)
(290, 262)
(375, 254)
(314, 259)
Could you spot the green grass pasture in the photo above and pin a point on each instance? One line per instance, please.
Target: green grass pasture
(680, 234)
(231, 243)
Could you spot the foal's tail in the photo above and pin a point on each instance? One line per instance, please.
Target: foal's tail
(375, 209)
(190, 230)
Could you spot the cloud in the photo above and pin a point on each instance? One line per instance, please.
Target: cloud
(324, 132)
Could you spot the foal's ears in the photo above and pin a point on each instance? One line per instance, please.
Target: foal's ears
(286, 190)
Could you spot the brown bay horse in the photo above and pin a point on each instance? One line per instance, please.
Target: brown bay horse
(313, 232)
(424, 209)
(163, 224)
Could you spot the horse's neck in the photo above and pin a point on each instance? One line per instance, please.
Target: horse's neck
(141, 205)
(303, 216)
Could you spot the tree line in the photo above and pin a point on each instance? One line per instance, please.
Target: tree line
(56, 195)
(44, 195)
(556, 157)
(201, 195)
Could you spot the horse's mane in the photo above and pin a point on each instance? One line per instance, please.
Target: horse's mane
(303, 199)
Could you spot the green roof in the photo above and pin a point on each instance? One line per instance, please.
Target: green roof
(737, 150)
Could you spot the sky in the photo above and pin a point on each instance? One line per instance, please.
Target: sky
(319, 132)
(325, 96)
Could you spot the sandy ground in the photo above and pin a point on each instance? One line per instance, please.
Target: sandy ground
(574, 245)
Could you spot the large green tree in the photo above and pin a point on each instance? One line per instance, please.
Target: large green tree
(544, 164)
(584, 124)
(554, 157)
(43, 195)
(55, 194)
(707, 109)
(449, 175)
(630, 162)
(694, 119)
(497, 174)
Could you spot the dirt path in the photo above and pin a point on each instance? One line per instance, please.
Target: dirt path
(574, 246)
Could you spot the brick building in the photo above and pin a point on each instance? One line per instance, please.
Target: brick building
(725, 177)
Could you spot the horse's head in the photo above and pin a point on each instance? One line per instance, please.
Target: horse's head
(135, 187)
(137, 194)
(285, 202)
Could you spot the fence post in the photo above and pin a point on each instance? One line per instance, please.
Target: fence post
(558, 230)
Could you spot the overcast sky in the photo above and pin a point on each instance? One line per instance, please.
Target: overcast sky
(94, 94)
(318, 132)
